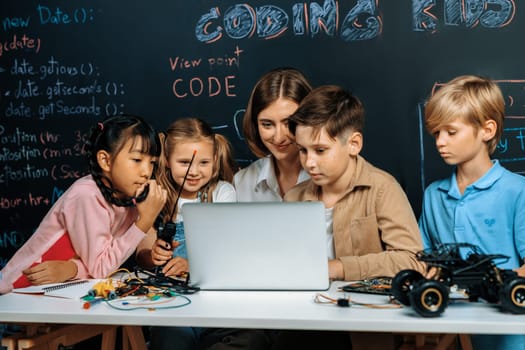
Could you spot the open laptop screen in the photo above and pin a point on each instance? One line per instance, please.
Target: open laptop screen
(256, 246)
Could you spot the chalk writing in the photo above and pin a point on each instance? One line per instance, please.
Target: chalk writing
(183, 63)
(240, 21)
(48, 137)
(60, 89)
(17, 110)
(205, 85)
(271, 21)
(30, 200)
(113, 89)
(57, 81)
(46, 15)
(237, 122)
(64, 172)
(57, 192)
(22, 68)
(51, 153)
(26, 89)
(22, 42)
(11, 238)
(10, 203)
(28, 157)
(326, 18)
(511, 147)
(226, 60)
(17, 137)
(362, 22)
(51, 67)
(470, 13)
(209, 87)
(9, 23)
(62, 108)
(28, 171)
(20, 153)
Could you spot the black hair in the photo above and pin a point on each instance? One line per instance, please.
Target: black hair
(111, 135)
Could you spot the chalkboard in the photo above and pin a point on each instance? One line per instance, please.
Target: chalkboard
(66, 64)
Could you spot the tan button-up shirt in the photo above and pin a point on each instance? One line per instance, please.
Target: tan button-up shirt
(375, 230)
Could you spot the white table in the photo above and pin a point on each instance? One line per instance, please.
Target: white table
(268, 310)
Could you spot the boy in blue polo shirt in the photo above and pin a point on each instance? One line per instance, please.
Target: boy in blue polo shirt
(482, 202)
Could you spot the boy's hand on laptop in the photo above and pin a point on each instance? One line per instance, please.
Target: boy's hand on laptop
(336, 271)
(175, 266)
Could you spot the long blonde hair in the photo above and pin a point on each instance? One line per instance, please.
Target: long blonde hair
(196, 130)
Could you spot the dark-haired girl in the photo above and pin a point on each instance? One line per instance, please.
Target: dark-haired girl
(99, 221)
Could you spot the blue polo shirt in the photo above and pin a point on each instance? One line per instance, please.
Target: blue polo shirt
(490, 213)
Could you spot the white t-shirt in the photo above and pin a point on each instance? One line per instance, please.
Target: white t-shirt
(329, 219)
(258, 183)
(224, 192)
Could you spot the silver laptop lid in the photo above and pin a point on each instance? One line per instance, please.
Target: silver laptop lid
(256, 246)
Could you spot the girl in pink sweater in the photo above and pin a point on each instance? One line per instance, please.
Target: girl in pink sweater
(99, 221)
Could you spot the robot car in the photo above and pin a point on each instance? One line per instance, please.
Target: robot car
(461, 267)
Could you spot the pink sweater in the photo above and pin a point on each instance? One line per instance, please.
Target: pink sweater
(102, 235)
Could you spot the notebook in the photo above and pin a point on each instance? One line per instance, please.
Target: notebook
(256, 246)
(70, 290)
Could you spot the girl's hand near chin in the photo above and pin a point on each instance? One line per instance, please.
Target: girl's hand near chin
(151, 206)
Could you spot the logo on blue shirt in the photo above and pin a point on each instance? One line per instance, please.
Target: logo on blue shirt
(489, 222)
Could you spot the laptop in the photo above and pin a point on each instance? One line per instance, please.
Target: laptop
(257, 246)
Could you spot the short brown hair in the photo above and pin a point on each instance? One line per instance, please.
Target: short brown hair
(288, 83)
(331, 107)
(472, 99)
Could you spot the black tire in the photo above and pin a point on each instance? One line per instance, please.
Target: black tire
(490, 290)
(513, 295)
(429, 298)
(402, 284)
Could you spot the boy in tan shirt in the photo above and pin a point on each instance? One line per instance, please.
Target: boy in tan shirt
(371, 228)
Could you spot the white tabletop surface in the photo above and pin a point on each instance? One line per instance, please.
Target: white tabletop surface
(270, 310)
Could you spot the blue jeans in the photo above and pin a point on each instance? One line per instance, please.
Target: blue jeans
(181, 238)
